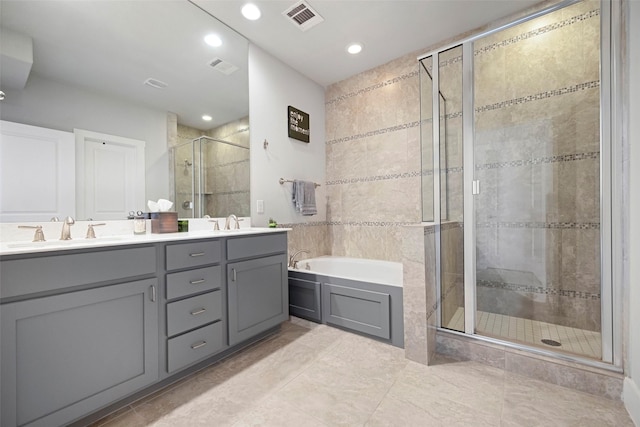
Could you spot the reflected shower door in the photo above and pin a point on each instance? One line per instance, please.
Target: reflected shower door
(537, 160)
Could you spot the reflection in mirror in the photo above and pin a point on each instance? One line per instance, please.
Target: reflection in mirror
(426, 137)
(82, 65)
(211, 172)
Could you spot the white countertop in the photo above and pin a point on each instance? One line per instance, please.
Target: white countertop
(114, 233)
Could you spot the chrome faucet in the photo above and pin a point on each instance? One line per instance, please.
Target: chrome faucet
(66, 228)
(227, 222)
(293, 263)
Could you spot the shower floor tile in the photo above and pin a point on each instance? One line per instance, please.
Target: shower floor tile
(572, 340)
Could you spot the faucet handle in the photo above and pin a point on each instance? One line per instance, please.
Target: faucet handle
(38, 235)
(216, 225)
(91, 234)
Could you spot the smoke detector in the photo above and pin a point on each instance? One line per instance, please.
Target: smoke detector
(223, 66)
(302, 16)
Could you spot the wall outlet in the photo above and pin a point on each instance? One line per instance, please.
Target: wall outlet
(260, 206)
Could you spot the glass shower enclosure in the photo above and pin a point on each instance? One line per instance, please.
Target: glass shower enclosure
(211, 177)
(520, 172)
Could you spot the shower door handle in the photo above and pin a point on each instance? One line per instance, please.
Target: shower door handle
(475, 187)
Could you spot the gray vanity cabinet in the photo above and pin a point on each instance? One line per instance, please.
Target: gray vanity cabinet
(195, 312)
(258, 297)
(66, 355)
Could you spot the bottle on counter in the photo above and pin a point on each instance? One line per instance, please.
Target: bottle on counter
(139, 225)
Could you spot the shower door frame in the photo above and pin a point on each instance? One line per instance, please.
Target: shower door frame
(611, 196)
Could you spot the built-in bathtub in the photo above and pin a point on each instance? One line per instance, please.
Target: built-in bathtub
(361, 295)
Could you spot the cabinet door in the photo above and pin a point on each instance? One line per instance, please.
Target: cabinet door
(358, 309)
(258, 296)
(304, 299)
(67, 355)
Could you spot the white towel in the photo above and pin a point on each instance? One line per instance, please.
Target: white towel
(304, 197)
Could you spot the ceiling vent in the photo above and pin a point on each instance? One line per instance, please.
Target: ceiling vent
(155, 83)
(223, 66)
(303, 16)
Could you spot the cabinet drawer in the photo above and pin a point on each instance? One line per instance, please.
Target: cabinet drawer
(193, 312)
(250, 247)
(194, 254)
(190, 282)
(54, 272)
(195, 345)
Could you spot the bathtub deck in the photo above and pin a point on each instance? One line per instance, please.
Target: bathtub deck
(572, 340)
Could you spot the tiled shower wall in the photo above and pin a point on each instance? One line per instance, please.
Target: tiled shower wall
(537, 157)
(226, 169)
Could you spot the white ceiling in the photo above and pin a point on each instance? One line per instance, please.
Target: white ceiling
(387, 28)
(112, 46)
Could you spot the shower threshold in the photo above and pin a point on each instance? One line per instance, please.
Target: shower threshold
(533, 332)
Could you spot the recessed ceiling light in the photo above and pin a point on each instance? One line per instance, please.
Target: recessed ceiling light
(354, 48)
(207, 118)
(251, 12)
(213, 40)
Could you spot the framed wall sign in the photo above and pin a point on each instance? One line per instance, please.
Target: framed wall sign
(298, 122)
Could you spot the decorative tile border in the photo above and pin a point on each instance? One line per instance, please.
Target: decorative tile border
(539, 31)
(375, 132)
(373, 223)
(541, 225)
(538, 290)
(490, 107)
(538, 96)
(221, 165)
(403, 175)
(373, 87)
(228, 193)
(593, 155)
(304, 224)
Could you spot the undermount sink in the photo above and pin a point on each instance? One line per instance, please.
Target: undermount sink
(62, 243)
(240, 230)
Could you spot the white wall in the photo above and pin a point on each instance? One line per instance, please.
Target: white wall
(632, 383)
(54, 105)
(272, 87)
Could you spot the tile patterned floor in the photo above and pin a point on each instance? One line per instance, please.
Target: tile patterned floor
(313, 375)
(572, 340)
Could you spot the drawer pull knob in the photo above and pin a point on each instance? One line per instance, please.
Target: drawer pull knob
(196, 254)
(196, 346)
(199, 311)
(196, 282)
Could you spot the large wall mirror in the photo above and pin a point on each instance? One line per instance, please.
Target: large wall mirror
(140, 70)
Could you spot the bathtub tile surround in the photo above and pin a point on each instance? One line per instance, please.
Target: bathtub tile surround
(373, 172)
(310, 236)
(314, 375)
